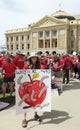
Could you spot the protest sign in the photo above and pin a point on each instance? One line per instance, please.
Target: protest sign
(33, 90)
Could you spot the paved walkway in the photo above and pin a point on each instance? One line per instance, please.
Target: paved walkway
(65, 113)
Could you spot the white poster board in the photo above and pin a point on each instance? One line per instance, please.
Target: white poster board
(33, 90)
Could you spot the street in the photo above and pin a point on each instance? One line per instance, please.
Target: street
(65, 114)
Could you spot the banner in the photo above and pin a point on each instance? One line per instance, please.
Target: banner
(33, 90)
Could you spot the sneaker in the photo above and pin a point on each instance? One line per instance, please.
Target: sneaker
(67, 82)
(24, 123)
(38, 118)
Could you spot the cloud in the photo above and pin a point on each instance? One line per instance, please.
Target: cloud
(11, 5)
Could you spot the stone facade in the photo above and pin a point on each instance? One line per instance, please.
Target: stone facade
(48, 34)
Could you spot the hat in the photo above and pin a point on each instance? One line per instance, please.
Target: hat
(74, 53)
(33, 54)
(23, 54)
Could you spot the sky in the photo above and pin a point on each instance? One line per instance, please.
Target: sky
(20, 13)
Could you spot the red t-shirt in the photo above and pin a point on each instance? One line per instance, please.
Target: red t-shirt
(56, 66)
(25, 66)
(44, 62)
(0, 62)
(68, 62)
(19, 61)
(9, 69)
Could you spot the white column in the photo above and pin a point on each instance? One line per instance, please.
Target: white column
(43, 39)
(30, 41)
(50, 39)
(19, 44)
(58, 38)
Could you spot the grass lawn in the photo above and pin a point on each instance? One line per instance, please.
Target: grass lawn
(8, 99)
(7, 95)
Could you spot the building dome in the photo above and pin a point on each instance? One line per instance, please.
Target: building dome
(62, 15)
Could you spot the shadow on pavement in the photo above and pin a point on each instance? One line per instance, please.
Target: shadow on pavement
(71, 86)
(53, 117)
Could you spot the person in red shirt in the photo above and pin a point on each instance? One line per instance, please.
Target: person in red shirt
(56, 68)
(78, 66)
(75, 59)
(68, 63)
(0, 62)
(44, 61)
(19, 60)
(57, 64)
(8, 70)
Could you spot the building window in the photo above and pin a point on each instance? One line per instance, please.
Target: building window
(11, 38)
(55, 44)
(17, 46)
(47, 33)
(16, 38)
(7, 47)
(22, 38)
(40, 34)
(28, 46)
(22, 46)
(72, 44)
(54, 33)
(72, 32)
(28, 37)
(7, 39)
(47, 43)
(40, 44)
(11, 47)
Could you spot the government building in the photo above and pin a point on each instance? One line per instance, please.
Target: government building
(58, 32)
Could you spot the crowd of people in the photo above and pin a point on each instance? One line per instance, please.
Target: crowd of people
(62, 66)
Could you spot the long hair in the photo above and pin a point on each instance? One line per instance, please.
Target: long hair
(37, 64)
